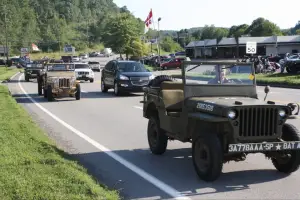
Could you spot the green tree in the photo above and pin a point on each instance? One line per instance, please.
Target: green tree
(169, 45)
(197, 34)
(263, 27)
(298, 32)
(238, 31)
(121, 32)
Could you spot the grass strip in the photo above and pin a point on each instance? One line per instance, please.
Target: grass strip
(32, 167)
(7, 72)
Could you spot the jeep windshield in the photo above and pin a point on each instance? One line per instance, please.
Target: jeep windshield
(60, 67)
(131, 67)
(219, 74)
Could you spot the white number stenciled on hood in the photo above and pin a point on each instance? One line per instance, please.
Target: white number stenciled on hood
(204, 106)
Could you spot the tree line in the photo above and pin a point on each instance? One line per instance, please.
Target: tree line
(51, 24)
(259, 27)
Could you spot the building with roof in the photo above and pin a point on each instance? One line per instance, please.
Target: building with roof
(231, 47)
(3, 50)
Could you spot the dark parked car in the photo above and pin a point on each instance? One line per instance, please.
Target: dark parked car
(125, 76)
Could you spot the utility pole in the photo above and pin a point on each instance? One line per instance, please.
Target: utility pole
(5, 29)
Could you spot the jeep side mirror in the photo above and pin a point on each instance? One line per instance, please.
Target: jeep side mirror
(267, 90)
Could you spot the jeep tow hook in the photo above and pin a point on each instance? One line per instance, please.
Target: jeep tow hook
(142, 101)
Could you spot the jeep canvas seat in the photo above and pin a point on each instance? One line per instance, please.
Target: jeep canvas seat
(173, 97)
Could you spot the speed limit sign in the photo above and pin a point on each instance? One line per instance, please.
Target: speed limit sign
(251, 48)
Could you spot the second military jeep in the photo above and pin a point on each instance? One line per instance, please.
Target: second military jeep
(59, 80)
(32, 70)
(215, 106)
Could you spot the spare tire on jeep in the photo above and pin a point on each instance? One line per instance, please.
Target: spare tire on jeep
(159, 79)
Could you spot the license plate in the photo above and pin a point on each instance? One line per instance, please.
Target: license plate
(83, 76)
(268, 146)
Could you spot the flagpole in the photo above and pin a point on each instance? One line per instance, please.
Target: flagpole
(153, 22)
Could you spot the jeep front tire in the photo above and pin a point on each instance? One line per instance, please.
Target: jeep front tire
(78, 92)
(157, 138)
(207, 155)
(291, 163)
(26, 78)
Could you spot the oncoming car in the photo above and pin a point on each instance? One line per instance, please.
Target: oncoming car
(125, 76)
(84, 72)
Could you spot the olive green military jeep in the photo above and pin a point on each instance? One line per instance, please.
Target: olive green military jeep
(59, 80)
(215, 106)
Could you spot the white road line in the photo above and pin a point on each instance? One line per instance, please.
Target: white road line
(148, 177)
(14, 75)
(138, 107)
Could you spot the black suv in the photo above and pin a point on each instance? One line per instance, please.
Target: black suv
(125, 76)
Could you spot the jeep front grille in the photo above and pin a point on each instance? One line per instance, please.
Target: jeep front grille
(64, 82)
(139, 81)
(258, 121)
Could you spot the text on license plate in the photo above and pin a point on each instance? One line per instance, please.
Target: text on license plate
(268, 146)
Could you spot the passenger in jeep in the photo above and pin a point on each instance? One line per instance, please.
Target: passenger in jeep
(220, 76)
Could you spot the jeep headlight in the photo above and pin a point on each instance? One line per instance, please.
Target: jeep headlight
(282, 113)
(55, 81)
(72, 80)
(231, 114)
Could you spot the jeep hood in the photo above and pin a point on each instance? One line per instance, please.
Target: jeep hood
(228, 101)
(60, 74)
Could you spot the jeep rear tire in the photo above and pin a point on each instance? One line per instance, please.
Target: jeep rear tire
(207, 155)
(49, 93)
(78, 92)
(157, 138)
(291, 164)
(92, 80)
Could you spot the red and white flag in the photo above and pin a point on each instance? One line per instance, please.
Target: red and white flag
(148, 21)
(34, 47)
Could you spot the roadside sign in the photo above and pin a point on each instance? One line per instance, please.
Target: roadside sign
(3, 50)
(69, 49)
(251, 47)
(24, 50)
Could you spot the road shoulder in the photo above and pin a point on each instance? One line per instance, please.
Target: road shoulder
(33, 166)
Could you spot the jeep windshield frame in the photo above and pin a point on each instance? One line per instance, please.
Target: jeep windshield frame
(58, 67)
(236, 89)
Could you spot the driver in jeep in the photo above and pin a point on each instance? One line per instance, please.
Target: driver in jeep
(220, 76)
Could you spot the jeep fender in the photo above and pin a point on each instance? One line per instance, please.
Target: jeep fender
(150, 110)
(207, 117)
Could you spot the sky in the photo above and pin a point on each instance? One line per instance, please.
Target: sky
(178, 14)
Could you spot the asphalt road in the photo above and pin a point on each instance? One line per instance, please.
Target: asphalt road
(108, 135)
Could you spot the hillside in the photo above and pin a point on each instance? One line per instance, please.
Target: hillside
(53, 23)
